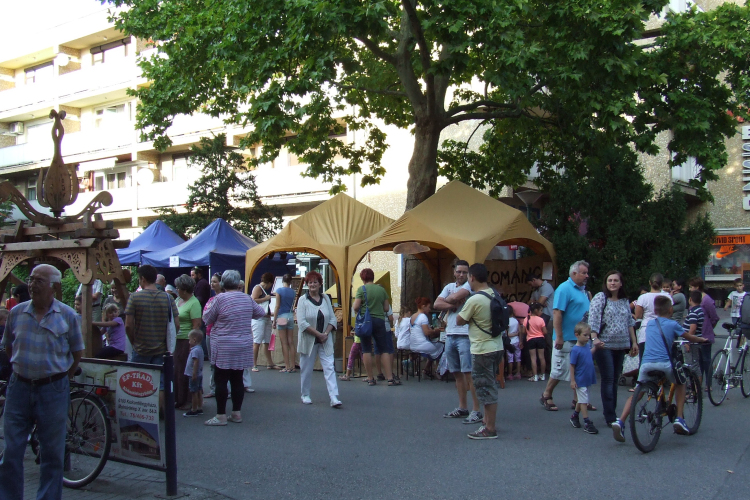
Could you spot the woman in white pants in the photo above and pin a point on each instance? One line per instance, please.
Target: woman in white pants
(316, 322)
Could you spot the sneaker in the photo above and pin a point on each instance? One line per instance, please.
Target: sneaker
(575, 421)
(306, 400)
(680, 427)
(249, 390)
(335, 403)
(457, 413)
(192, 413)
(590, 428)
(534, 378)
(474, 417)
(482, 433)
(618, 430)
(541, 377)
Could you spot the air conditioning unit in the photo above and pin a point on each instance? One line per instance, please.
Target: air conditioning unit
(15, 128)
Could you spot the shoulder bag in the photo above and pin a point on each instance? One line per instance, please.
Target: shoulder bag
(363, 321)
(171, 330)
(675, 358)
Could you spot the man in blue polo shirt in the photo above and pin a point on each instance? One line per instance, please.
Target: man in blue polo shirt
(570, 304)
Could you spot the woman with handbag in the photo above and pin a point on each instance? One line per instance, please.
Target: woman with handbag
(316, 322)
(374, 299)
(612, 325)
(262, 326)
(283, 322)
(231, 314)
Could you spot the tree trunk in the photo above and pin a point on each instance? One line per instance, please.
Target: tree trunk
(416, 280)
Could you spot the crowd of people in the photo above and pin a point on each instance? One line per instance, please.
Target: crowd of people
(566, 328)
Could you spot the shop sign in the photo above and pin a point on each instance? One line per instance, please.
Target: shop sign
(728, 244)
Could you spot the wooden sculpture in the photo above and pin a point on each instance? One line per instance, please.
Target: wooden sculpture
(82, 242)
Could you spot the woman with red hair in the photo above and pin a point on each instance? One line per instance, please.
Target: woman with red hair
(377, 303)
(316, 322)
(421, 333)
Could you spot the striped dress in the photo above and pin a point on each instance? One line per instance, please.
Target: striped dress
(231, 335)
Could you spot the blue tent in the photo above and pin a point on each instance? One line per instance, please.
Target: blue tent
(219, 246)
(157, 236)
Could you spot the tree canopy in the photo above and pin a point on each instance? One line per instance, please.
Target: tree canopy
(226, 189)
(552, 80)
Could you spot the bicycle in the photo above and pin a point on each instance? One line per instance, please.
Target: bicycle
(724, 376)
(649, 406)
(88, 438)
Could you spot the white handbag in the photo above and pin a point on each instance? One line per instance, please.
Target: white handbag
(171, 330)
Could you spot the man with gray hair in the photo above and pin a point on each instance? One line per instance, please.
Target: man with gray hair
(43, 340)
(570, 304)
(161, 282)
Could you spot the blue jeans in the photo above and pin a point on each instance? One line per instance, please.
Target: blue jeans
(47, 405)
(609, 362)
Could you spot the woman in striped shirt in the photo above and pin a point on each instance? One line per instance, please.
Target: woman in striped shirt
(231, 314)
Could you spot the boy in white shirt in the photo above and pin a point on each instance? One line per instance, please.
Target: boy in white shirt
(735, 300)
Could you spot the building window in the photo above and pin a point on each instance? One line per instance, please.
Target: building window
(179, 167)
(110, 52)
(38, 133)
(31, 188)
(112, 116)
(99, 183)
(116, 181)
(40, 73)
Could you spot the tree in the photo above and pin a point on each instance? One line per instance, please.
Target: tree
(226, 190)
(613, 221)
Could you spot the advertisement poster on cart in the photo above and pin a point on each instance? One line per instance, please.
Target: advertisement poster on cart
(138, 430)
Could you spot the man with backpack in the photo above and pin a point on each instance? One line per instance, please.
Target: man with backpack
(486, 314)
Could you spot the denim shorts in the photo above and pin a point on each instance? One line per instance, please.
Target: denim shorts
(382, 339)
(195, 385)
(289, 321)
(150, 360)
(458, 350)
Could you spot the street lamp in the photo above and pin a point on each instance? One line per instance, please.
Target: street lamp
(529, 198)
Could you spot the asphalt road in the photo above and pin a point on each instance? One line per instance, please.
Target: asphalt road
(392, 442)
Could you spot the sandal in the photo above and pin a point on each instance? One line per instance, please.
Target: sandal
(345, 378)
(381, 377)
(547, 405)
(291, 371)
(236, 420)
(254, 369)
(371, 381)
(393, 382)
(272, 367)
(283, 370)
(214, 422)
(589, 406)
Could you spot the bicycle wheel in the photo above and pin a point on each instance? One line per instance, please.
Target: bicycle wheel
(718, 380)
(88, 441)
(745, 382)
(693, 409)
(645, 417)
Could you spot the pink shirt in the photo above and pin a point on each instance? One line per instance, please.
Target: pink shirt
(231, 314)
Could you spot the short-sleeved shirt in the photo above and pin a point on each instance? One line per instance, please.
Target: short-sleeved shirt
(736, 298)
(202, 292)
(646, 301)
(196, 352)
(513, 328)
(545, 290)
(573, 301)
(150, 309)
(285, 296)
(189, 310)
(96, 287)
(679, 304)
(534, 325)
(42, 348)
(476, 312)
(580, 357)
(117, 335)
(451, 328)
(655, 351)
(694, 317)
(376, 297)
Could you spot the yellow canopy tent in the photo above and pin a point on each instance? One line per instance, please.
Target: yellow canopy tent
(382, 278)
(457, 220)
(327, 230)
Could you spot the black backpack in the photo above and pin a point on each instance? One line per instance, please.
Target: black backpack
(500, 312)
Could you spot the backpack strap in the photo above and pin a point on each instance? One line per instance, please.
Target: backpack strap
(475, 322)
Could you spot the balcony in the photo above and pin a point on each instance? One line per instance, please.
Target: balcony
(80, 88)
(684, 173)
(76, 147)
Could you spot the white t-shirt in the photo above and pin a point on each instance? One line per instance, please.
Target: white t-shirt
(403, 333)
(646, 301)
(418, 339)
(736, 298)
(450, 319)
(513, 328)
(96, 287)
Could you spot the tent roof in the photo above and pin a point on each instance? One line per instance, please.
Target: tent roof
(461, 219)
(157, 236)
(327, 230)
(218, 238)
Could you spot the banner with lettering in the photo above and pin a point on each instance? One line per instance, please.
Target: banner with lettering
(139, 436)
